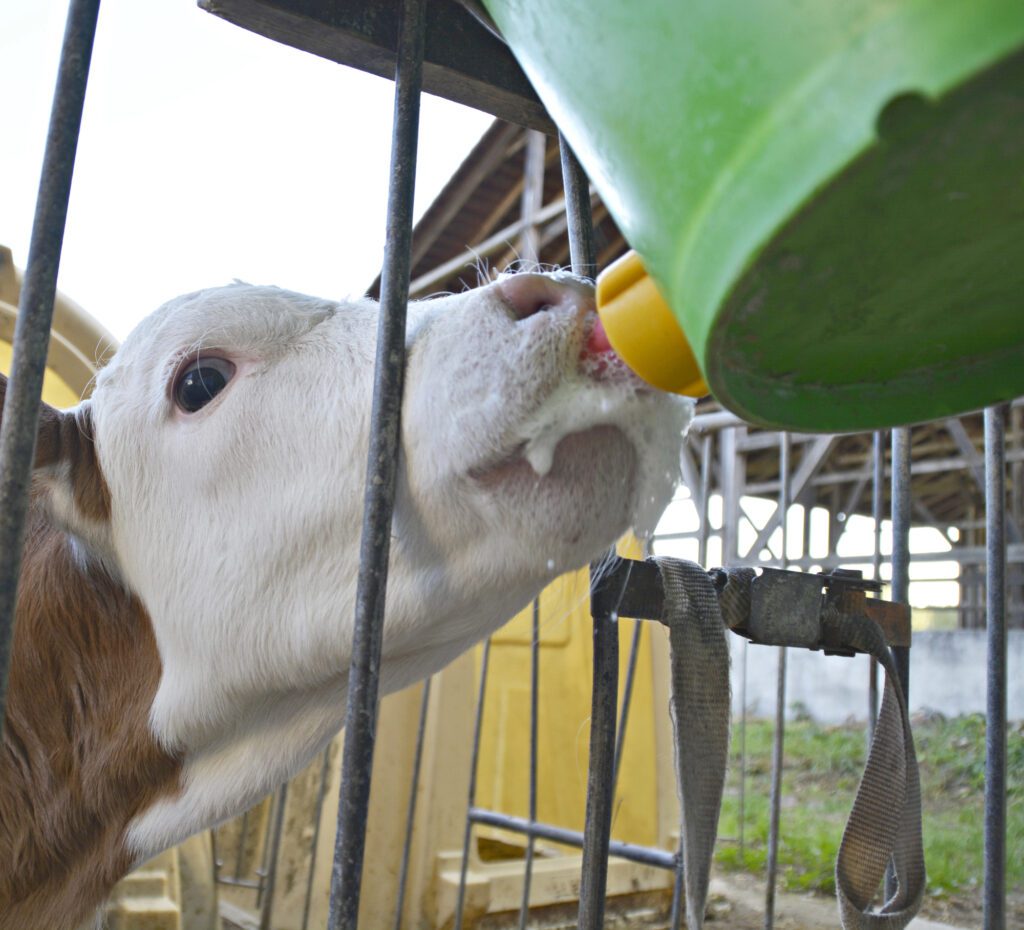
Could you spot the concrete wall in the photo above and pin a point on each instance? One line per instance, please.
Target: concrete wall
(947, 674)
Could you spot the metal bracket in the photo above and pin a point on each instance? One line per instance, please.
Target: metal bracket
(786, 607)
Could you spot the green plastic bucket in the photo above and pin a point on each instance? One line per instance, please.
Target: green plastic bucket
(830, 195)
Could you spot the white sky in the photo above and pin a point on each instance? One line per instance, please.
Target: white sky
(207, 153)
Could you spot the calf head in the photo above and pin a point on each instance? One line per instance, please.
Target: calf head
(231, 434)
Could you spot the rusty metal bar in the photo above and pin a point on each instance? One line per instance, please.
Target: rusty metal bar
(460, 900)
(646, 855)
(994, 890)
(381, 480)
(775, 801)
(524, 908)
(410, 819)
(35, 311)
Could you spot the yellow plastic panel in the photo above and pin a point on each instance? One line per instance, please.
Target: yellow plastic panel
(55, 389)
(566, 661)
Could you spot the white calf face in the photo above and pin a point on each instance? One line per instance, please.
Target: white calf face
(524, 455)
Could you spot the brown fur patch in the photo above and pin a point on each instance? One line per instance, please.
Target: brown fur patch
(78, 762)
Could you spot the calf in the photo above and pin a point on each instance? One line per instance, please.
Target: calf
(184, 619)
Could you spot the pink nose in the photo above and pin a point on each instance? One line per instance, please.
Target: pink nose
(528, 294)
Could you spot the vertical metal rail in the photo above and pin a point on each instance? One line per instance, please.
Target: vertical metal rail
(627, 697)
(901, 507)
(900, 504)
(877, 501)
(460, 899)
(410, 819)
(35, 311)
(243, 836)
(382, 465)
(994, 891)
(600, 795)
(706, 464)
(270, 882)
(314, 842)
(524, 908)
(775, 801)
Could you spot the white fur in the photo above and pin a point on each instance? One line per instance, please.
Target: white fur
(238, 526)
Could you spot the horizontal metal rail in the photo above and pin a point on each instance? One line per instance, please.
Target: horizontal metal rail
(645, 855)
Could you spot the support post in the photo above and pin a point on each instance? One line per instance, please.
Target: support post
(381, 480)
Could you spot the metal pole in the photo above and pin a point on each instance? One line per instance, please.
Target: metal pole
(243, 836)
(460, 899)
(901, 502)
(775, 802)
(314, 842)
(627, 697)
(578, 215)
(600, 793)
(901, 540)
(877, 501)
(410, 820)
(524, 908)
(35, 312)
(994, 893)
(743, 754)
(706, 454)
(267, 904)
(382, 464)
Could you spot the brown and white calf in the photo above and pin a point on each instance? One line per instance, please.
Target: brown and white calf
(185, 608)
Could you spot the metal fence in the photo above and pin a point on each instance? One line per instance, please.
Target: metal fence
(608, 721)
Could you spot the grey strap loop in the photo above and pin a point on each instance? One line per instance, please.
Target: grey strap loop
(700, 713)
(885, 822)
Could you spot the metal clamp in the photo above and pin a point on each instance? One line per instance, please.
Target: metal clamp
(786, 608)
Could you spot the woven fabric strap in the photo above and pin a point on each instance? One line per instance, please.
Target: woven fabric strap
(700, 715)
(885, 824)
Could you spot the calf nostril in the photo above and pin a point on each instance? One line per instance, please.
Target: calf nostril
(528, 294)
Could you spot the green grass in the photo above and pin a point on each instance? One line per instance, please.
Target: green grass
(820, 777)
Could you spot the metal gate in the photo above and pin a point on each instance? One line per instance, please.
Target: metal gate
(17, 438)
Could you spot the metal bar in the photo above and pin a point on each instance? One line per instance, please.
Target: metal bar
(426, 283)
(594, 873)
(267, 904)
(877, 501)
(410, 820)
(706, 454)
(675, 917)
(263, 869)
(524, 909)
(217, 863)
(533, 195)
(577, 212)
(812, 460)
(460, 900)
(994, 890)
(901, 510)
(600, 796)
(243, 835)
(645, 855)
(35, 312)
(627, 696)
(775, 801)
(743, 754)
(382, 465)
(314, 843)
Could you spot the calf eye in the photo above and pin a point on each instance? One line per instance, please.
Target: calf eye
(201, 382)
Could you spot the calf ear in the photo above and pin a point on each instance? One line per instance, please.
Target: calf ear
(67, 462)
